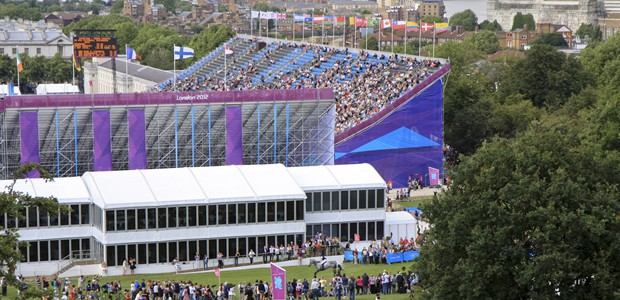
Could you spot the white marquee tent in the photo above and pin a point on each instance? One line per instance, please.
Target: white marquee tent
(400, 224)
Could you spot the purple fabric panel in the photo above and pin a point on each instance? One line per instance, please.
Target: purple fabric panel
(102, 148)
(423, 114)
(137, 139)
(29, 139)
(234, 136)
(36, 101)
(390, 108)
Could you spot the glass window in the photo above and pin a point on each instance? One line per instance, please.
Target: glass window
(86, 245)
(75, 247)
(65, 249)
(336, 200)
(44, 247)
(380, 199)
(141, 218)
(202, 247)
(280, 211)
(11, 222)
(120, 254)
(308, 201)
(172, 217)
(183, 216)
(162, 222)
(261, 212)
(252, 245)
(109, 218)
(2, 219)
(75, 215)
(380, 230)
(232, 213)
(299, 210)
(362, 199)
(111, 255)
(172, 251)
(251, 212)
(202, 215)
(232, 247)
(271, 212)
(212, 214)
(131, 252)
(316, 201)
(221, 214)
(221, 247)
(85, 214)
(142, 254)
(372, 200)
(191, 216)
(163, 253)
(21, 223)
(361, 227)
(336, 230)
(183, 251)
(344, 231)
(152, 218)
(120, 220)
(54, 253)
(152, 253)
(353, 230)
(242, 246)
(371, 231)
(327, 201)
(131, 219)
(212, 248)
(271, 240)
(352, 199)
(290, 210)
(33, 217)
(344, 200)
(192, 248)
(241, 213)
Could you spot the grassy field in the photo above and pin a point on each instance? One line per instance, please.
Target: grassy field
(250, 275)
(413, 201)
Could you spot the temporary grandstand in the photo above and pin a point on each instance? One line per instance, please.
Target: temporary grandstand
(389, 108)
(72, 134)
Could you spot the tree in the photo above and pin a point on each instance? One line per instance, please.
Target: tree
(490, 26)
(589, 31)
(13, 203)
(551, 39)
(486, 41)
(117, 7)
(371, 41)
(520, 21)
(262, 6)
(526, 218)
(466, 18)
(432, 19)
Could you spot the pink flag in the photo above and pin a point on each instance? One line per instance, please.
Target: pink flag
(433, 175)
(357, 237)
(278, 278)
(217, 272)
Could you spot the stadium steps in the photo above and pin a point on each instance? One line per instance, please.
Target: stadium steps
(217, 60)
(239, 50)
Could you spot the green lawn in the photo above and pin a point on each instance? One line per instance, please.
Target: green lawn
(250, 275)
(413, 201)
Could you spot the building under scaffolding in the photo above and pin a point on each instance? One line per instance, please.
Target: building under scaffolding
(72, 134)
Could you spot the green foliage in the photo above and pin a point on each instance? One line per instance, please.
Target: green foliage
(168, 4)
(551, 39)
(461, 55)
(432, 19)
(117, 7)
(413, 46)
(490, 26)
(365, 12)
(210, 38)
(520, 20)
(371, 41)
(486, 41)
(546, 77)
(222, 8)
(589, 31)
(7, 68)
(262, 6)
(466, 18)
(12, 203)
(22, 10)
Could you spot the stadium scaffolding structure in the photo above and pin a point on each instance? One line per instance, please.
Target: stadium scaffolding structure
(292, 130)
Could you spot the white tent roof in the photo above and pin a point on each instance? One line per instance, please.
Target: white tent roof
(4, 90)
(67, 190)
(357, 176)
(315, 178)
(119, 189)
(223, 183)
(171, 186)
(57, 88)
(272, 182)
(399, 217)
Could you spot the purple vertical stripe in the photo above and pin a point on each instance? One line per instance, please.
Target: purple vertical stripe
(234, 136)
(137, 139)
(102, 149)
(29, 126)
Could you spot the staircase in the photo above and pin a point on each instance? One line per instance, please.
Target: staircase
(75, 258)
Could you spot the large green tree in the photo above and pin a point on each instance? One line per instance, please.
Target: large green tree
(520, 20)
(466, 18)
(551, 39)
(490, 26)
(535, 217)
(486, 41)
(432, 19)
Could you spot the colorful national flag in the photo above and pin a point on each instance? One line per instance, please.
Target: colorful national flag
(131, 54)
(318, 18)
(281, 16)
(373, 22)
(298, 18)
(441, 27)
(412, 26)
(386, 23)
(20, 65)
(217, 272)
(76, 62)
(228, 51)
(341, 21)
(361, 22)
(399, 25)
(329, 20)
(427, 26)
(183, 52)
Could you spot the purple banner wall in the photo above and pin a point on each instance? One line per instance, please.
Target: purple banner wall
(278, 279)
(36, 101)
(102, 148)
(234, 136)
(137, 139)
(29, 138)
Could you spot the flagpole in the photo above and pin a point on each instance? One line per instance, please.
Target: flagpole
(434, 30)
(303, 30)
(260, 32)
(420, 40)
(251, 23)
(17, 66)
(344, 33)
(73, 70)
(312, 38)
(127, 68)
(323, 28)
(293, 27)
(392, 37)
(405, 37)
(174, 65)
(354, 32)
(380, 25)
(225, 69)
(334, 31)
(277, 18)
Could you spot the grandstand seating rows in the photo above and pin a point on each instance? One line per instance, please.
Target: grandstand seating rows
(363, 83)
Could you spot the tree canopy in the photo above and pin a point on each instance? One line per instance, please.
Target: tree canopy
(589, 31)
(490, 26)
(551, 39)
(432, 19)
(466, 18)
(486, 41)
(520, 20)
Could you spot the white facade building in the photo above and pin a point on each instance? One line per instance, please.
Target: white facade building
(131, 77)
(33, 38)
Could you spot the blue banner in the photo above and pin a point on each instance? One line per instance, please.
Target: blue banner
(394, 258)
(348, 255)
(410, 255)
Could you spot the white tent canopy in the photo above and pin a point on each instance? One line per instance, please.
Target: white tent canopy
(400, 224)
(67, 190)
(321, 178)
(57, 88)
